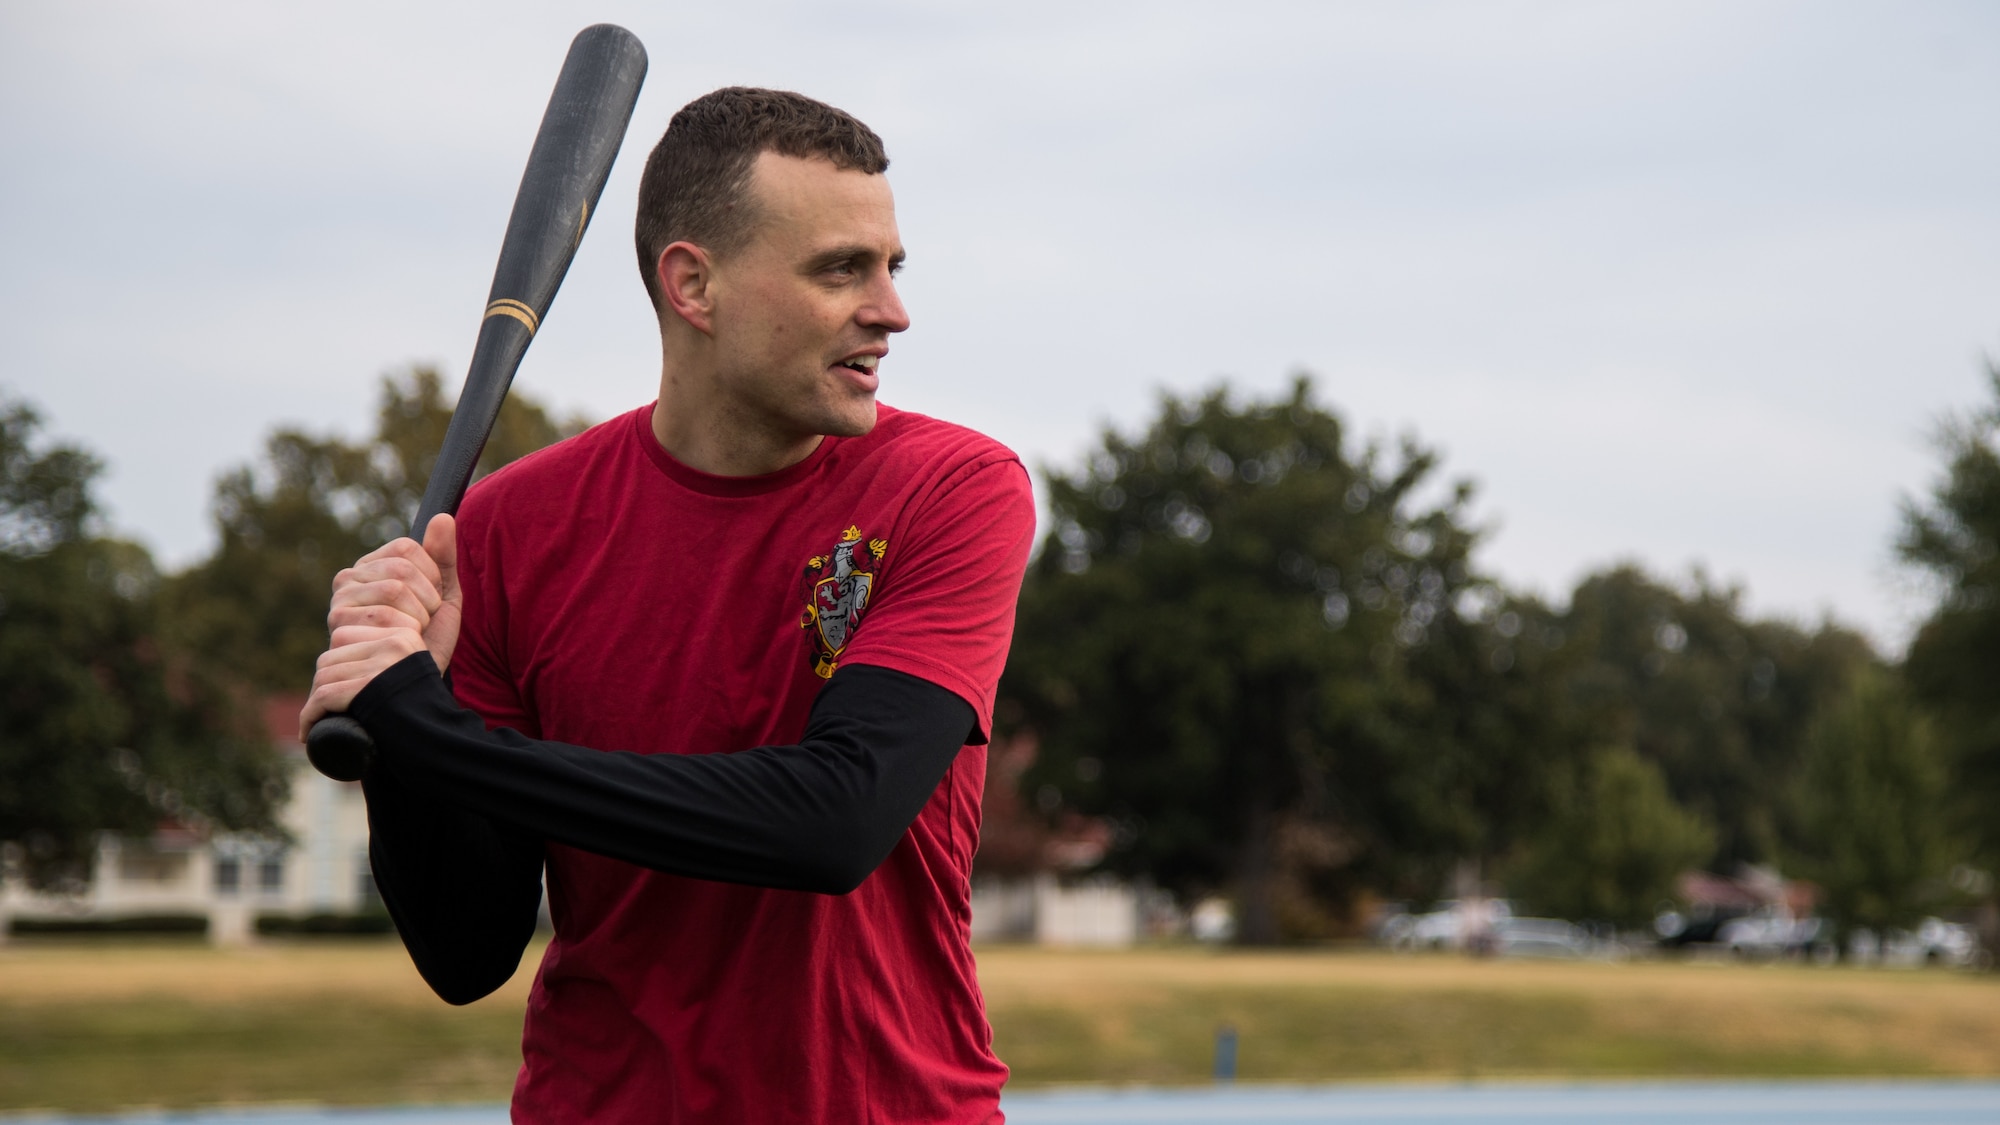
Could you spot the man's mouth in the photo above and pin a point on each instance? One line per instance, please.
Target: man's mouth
(860, 371)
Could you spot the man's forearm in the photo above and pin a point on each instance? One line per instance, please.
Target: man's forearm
(464, 889)
(817, 816)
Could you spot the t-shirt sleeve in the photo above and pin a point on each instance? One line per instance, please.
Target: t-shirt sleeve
(946, 611)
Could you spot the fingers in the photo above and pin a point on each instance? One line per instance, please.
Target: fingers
(376, 616)
(441, 547)
(399, 576)
(414, 569)
(360, 653)
(382, 608)
(402, 576)
(407, 549)
(361, 642)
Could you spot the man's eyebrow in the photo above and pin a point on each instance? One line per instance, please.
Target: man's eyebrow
(836, 255)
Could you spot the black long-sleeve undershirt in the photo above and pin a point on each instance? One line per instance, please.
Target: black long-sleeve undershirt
(457, 813)
(463, 889)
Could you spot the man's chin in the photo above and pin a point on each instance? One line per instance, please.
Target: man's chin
(854, 418)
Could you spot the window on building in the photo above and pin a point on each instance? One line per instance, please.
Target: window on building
(228, 874)
(271, 874)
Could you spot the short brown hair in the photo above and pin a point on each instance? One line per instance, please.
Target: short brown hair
(694, 183)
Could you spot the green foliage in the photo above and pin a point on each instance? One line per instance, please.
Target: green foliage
(44, 492)
(1469, 752)
(1719, 701)
(104, 723)
(1269, 661)
(1955, 538)
(1869, 799)
(128, 700)
(1223, 613)
(257, 606)
(1613, 843)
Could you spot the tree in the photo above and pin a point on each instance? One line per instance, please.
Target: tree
(1613, 845)
(257, 606)
(1468, 754)
(104, 723)
(1215, 635)
(1867, 800)
(1952, 661)
(1720, 702)
(1270, 662)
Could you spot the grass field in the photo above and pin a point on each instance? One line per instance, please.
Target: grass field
(97, 1026)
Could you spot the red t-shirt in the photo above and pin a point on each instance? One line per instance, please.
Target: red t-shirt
(618, 599)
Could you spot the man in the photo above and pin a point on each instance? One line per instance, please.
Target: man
(735, 655)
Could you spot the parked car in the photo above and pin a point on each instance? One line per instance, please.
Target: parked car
(1770, 935)
(1934, 942)
(1543, 937)
(1453, 925)
(1701, 927)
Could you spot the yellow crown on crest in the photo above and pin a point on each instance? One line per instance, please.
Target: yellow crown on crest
(850, 535)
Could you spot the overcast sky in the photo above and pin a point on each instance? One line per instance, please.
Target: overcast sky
(1680, 282)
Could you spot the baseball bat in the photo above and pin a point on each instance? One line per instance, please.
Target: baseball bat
(579, 138)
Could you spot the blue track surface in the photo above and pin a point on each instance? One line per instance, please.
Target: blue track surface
(1691, 1103)
(1816, 1103)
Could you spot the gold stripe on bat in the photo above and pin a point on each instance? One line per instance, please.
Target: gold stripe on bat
(582, 221)
(507, 306)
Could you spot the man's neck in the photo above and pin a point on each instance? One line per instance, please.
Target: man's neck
(705, 430)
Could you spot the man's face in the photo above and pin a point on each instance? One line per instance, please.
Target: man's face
(804, 311)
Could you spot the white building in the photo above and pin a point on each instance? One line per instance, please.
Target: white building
(230, 880)
(1101, 912)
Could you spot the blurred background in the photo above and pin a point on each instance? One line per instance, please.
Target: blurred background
(1516, 480)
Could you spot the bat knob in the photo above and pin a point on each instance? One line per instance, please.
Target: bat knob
(340, 748)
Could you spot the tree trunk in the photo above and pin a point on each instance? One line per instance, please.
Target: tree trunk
(1257, 877)
(1281, 764)
(1986, 920)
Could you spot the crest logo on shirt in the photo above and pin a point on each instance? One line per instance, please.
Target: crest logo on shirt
(836, 587)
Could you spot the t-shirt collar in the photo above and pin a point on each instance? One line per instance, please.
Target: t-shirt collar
(712, 484)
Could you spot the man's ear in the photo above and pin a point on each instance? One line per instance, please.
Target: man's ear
(687, 279)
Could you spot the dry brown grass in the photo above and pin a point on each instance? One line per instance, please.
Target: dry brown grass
(97, 1026)
(1147, 1014)
(92, 970)
(41, 972)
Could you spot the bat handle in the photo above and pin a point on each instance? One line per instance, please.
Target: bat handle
(340, 748)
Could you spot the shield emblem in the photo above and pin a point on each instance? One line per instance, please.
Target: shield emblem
(839, 602)
(836, 587)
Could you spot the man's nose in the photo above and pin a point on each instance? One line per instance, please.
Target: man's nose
(884, 309)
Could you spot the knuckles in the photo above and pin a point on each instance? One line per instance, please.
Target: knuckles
(419, 573)
(387, 592)
(347, 635)
(379, 616)
(367, 645)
